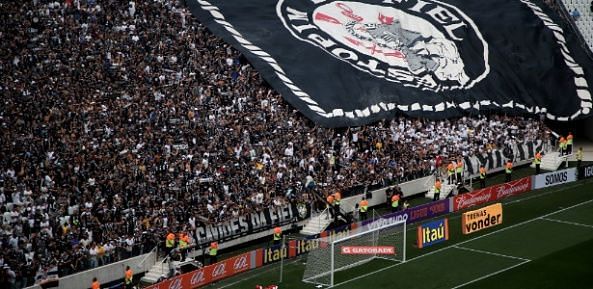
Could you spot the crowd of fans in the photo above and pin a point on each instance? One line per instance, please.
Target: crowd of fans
(120, 120)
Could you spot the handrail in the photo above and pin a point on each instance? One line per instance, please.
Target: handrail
(146, 257)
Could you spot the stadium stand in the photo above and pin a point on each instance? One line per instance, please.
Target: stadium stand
(121, 120)
(584, 21)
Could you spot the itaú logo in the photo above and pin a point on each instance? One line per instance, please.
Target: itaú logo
(176, 284)
(219, 270)
(240, 263)
(197, 278)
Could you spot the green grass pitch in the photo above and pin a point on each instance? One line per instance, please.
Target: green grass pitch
(545, 241)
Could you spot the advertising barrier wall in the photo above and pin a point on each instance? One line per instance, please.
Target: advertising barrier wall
(586, 172)
(554, 178)
(490, 194)
(211, 273)
(477, 220)
(410, 215)
(433, 233)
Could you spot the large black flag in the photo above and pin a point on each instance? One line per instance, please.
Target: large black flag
(344, 63)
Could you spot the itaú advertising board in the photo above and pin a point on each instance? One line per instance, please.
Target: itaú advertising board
(555, 178)
(481, 219)
(433, 233)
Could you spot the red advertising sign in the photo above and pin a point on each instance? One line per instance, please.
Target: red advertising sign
(490, 194)
(210, 273)
(368, 250)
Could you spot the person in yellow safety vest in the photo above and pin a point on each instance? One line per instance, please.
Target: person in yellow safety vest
(170, 242)
(537, 161)
(508, 170)
(213, 252)
(277, 236)
(579, 157)
(183, 244)
(569, 140)
(437, 190)
(459, 171)
(394, 202)
(129, 274)
(363, 209)
(337, 200)
(451, 172)
(482, 177)
(562, 146)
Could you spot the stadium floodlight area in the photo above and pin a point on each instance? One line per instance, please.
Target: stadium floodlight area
(341, 253)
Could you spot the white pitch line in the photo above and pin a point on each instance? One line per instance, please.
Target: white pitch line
(490, 275)
(568, 222)
(463, 242)
(490, 253)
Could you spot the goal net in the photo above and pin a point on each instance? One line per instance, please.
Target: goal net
(336, 254)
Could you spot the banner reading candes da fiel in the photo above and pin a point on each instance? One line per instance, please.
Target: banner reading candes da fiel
(477, 220)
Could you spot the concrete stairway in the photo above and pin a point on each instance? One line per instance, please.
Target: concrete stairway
(158, 271)
(445, 191)
(317, 224)
(552, 161)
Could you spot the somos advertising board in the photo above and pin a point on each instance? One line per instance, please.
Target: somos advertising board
(586, 172)
(480, 219)
(555, 178)
(490, 194)
(433, 233)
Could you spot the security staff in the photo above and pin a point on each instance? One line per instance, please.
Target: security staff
(213, 252)
(337, 200)
(459, 171)
(437, 190)
(508, 170)
(579, 156)
(451, 172)
(569, 140)
(363, 208)
(482, 177)
(277, 235)
(95, 284)
(563, 146)
(394, 202)
(128, 278)
(330, 203)
(537, 161)
(183, 244)
(170, 242)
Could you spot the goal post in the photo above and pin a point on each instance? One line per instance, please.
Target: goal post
(335, 254)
